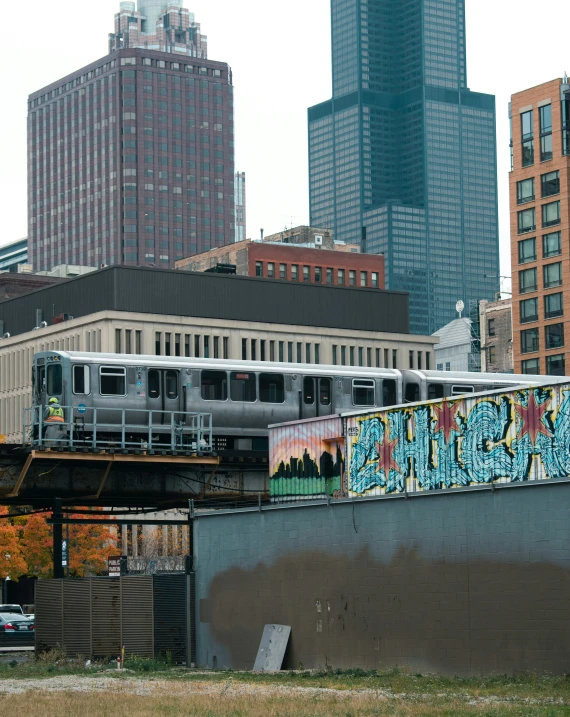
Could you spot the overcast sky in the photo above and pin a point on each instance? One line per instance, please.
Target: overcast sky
(281, 65)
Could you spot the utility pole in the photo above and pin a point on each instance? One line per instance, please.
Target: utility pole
(57, 538)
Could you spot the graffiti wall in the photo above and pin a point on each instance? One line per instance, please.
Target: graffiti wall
(501, 437)
(307, 458)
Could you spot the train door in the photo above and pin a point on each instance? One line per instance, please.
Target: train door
(316, 397)
(163, 390)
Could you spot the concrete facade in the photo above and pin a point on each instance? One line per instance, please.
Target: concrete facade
(540, 227)
(496, 336)
(460, 583)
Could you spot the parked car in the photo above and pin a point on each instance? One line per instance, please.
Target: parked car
(12, 609)
(16, 627)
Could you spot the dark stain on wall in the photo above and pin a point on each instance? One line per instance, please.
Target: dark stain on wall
(447, 616)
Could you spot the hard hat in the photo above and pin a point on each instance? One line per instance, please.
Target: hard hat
(53, 400)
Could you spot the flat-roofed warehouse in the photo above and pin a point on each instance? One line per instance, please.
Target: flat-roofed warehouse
(151, 311)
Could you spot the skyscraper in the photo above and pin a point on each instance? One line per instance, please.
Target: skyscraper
(403, 157)
(131, 159)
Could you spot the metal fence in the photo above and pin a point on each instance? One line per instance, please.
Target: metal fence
(124, 429)
(149, 616)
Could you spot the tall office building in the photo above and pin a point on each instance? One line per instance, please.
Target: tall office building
(131, 159)
(403, 157)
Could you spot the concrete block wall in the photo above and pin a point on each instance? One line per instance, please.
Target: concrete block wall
(466, 582)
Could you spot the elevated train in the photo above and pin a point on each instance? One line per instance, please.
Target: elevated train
(244, 397)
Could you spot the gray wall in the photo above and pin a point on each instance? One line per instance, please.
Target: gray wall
(468, 583)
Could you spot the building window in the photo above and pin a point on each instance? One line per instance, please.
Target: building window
(262, 356)
(525, 191)
(491, 327)
(352, 278)
(553, 275)
(270, 270)
(555, 365)
(341, 277)
(318, 274)
(527, 281)
(259, 268)
(527, 250)
(290, 352)
(299, 352)
(282, 271)
(529, 310)
(527, 139)
(244, 349)
(226, 344)
(550, 184)
(294, 272)
(411, 359)
(363, 278)
(330, 276)
(491, 354)
(281, 351)
(118, 341)
(196, 346)
(550, 214)
(317, 353)
(306, 273)
(157, 343)
(343, 355)
(360, 356)
(307, 353)
(394, 358)
(254, 349)
(375, 284)
(545, 133)
(531, 366)
(527, 220)
(529, 341)
(352, 355)
(554, 336)
(551, 245)
(334, 355)
(553, 306)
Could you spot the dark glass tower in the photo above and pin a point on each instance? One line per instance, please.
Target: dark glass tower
(403, 157)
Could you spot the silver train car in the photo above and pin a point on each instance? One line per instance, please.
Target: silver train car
(244, 397)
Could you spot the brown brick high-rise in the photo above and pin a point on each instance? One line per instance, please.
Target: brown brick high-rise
(540, 239)
(131, 161)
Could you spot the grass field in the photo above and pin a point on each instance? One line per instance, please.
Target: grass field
(149, 688)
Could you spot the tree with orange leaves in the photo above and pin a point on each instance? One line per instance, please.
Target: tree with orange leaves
(89, 547)
(12, 561)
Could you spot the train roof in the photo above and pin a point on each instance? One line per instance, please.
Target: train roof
(184, 362)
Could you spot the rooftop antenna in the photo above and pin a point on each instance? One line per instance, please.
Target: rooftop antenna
(459, 307)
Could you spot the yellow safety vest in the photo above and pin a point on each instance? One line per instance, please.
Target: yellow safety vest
(55, 415)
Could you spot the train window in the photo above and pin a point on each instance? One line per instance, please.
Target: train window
(363, 392)
(242, 387)
(389, 393)
(154, 383)
(309, 391)
(112, 381)
(214, 386)
(412, 392)
(460, 390)
(81, 383)
(54, 381)
(435, 391)
(325, 390)
(171, 384)
(271, 388)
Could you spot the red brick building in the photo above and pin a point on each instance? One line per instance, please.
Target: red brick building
(540, 228)
(294, 262)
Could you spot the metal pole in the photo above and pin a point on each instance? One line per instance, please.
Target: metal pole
(57, 538)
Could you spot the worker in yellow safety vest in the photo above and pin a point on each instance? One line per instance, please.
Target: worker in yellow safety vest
(53, 412)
